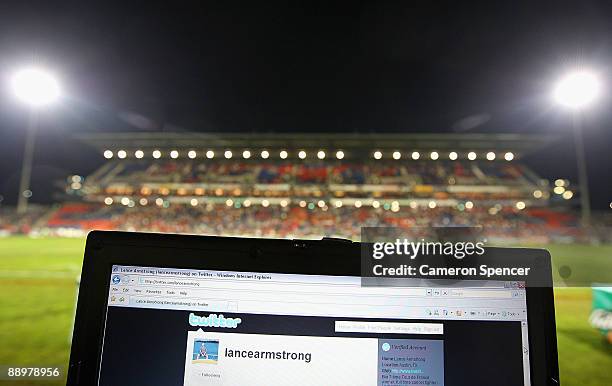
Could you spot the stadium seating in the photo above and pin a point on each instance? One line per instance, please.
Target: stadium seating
(539, 225)
(423, 178)
(311, 198)
(83, 216)
(12, 222)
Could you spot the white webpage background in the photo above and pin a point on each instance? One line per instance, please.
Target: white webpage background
(334, 361)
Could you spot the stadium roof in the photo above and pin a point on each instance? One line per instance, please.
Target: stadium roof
(370, 141)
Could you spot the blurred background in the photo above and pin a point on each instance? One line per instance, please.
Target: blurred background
(304, 120)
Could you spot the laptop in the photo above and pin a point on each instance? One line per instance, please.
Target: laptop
(159, 309)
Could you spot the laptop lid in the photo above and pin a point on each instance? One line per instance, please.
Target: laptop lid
(168, 309)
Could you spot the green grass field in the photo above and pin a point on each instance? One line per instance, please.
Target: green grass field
(37, 298)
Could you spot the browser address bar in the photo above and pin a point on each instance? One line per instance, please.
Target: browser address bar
(319, 288)
(276, 287)
(171, 282)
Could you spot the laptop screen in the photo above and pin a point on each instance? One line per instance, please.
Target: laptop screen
(200, 327)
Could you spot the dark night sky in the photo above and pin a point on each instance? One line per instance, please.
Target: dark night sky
(309, 66)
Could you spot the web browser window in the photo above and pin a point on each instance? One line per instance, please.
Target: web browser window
(202, 327)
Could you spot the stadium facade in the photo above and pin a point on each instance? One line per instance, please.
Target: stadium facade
(311, 185)
(327, 166)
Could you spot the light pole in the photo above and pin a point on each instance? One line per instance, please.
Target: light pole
(36, 88)
(577, 91)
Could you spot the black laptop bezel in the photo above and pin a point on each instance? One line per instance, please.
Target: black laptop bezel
(316, 257)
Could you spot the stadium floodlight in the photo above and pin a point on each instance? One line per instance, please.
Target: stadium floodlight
(490, 156)
(338, 204)
(284, 203)
(192, 154)
(210, 154)
(559, 189)
(375, 204)
(432, 204)
(415, 155)
(143, 201)
(302, 204)
(434, 155)
(321, 203)
(228, 154)
(559, 182)
(247, 203)
(283, 154)
(520, 205)
(577, 89)
(509, 156)
(302, 154)
(246, 154)
(568, 194)
(537, 193)
(108, 154)
(125, 201)
(265, 154)
(174, 154)
(413, 204)
(108, 201)
(395, 207)
(194, 202)
(229, 202)
(156, 154)
(358, 204)
(397, 155)
(139, 154)
(339, 154)
(471, 156)
(469, 205)
(452, 155)
(321, 154)
(377, 154)
(265, 203)
(35, 87)
(122, 154)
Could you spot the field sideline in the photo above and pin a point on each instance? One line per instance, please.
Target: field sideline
(37, 278)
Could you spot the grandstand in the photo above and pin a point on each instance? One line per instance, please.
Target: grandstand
(311, 185)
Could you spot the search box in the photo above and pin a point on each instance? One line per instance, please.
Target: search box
(389, 327)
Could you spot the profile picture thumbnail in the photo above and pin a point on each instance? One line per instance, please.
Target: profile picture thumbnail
(205, 351)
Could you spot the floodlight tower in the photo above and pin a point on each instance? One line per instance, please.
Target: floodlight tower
(36, 88)
(577, 91)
